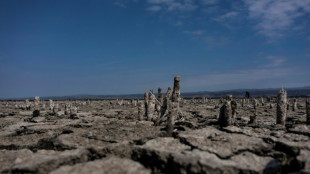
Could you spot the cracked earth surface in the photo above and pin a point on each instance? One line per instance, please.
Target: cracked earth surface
(107, 138)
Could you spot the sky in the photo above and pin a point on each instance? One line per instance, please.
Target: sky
(70, 47)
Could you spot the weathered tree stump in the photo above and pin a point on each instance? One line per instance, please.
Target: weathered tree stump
(174, 106)
(281, 107)
(146, 100)
(36, 111)
(295, 105)
(225, 117)
(151, 106)
(141, 111)
(73, 113)
(308, 111)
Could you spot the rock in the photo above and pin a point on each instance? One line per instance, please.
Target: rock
(221, 143)
(304, 160)
(277, 134)
(245, 120)
(106, 165)
(37, 119)
(198, 161)
(73, 141)
(122, 149)
(247, 161)
(296, 137)
(170, 156)
(187, 124)
(160, 151)
(301, 129)
(249, 131)
(233, 129)
(146, 123)
(45, 161)
(8, 158)
(83, 114)
(74, 116)
(36, 113)
(204, 162)
(288, 147)
(25, 113)
(59, 113)
(29, 141)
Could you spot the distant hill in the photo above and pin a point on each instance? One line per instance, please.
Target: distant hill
(298, 92)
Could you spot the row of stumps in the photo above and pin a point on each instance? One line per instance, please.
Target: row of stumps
(168, 108)
(228, 110)
(163, 108)
(69, 109)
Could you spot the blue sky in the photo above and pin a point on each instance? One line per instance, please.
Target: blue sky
(57, 47)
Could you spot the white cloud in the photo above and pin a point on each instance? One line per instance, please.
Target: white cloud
(187, 6)
(275, 61)
(177, 23)
(248, 78)
(123, 3)
(172, 5)
(275, 16)
(120, 4)
(239, 76)
(216, 42)
(154, 8)
(226, 16)
(272, 18)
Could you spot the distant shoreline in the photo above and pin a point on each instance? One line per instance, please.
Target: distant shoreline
(238, 93)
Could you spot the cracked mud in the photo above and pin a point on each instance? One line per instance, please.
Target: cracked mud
(106, 137)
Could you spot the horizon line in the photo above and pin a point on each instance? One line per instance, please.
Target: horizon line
(111, 95)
